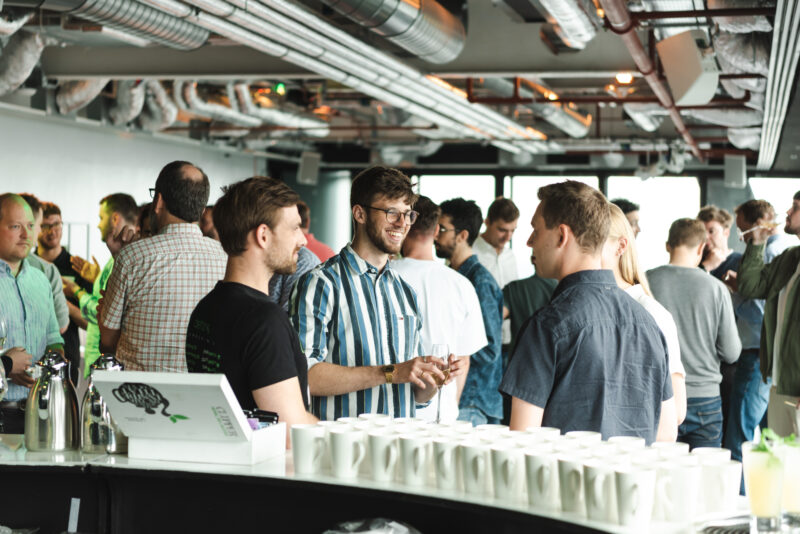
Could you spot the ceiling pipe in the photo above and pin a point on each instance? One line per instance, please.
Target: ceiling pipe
(19, 58)
(10, 27)
(622, 24)
(701, 13)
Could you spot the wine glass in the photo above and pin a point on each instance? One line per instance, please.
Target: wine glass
(441, 354)
(3, 336)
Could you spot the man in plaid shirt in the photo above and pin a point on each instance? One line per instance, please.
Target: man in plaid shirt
(158, 281)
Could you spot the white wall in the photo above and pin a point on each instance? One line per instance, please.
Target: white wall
(76, 163)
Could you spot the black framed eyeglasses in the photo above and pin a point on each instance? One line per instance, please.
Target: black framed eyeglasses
(443, 230)
(152, 193)
(393, 215)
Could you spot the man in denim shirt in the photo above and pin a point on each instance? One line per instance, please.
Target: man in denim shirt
(459, 225)
(593, 358)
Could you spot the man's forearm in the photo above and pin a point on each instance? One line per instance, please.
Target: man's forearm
(108, 339)
(328, 379)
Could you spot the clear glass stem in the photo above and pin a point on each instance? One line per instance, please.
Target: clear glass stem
(438, 404)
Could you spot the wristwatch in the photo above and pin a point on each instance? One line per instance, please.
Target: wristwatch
(388, 373)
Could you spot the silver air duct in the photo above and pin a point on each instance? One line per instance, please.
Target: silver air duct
(423, 27)
(648, 117)
(74, 95)
(567, 120)
(215, 111)
(576, 21)
(130, 17)
(19, 58)
(272, 115)
(129, 102)
(731, 118)
(159, 111)
(741, 24)
(748, 52)
(10, 27)
(745, 138)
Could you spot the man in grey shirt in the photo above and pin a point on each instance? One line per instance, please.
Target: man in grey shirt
(701, 307)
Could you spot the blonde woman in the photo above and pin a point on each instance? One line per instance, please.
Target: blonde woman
(620, 256)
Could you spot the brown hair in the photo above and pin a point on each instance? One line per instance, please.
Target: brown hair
(122, 203)
(381, 181)
(48, 209)
(428, 217)
(246, 205)
(686, 232)
(584, 209)
(33, 202)
(753, 210)
(502, 209)
(712, 213)
(305, 214)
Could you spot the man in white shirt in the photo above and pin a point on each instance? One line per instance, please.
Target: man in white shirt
(451, 312)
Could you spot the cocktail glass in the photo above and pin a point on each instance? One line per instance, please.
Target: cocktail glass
(763, 481)
(791, 485)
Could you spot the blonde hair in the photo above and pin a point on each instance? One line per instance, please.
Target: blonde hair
(629, 268)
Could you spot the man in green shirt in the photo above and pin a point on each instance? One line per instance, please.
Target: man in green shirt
(777, 282)
(522, 298)
(116, 212)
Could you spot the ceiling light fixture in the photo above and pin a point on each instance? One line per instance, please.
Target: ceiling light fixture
(624, 78)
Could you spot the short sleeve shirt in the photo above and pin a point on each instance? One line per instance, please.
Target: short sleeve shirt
(237, 331)
(593, 359)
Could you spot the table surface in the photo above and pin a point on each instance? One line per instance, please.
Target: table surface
(13, 453)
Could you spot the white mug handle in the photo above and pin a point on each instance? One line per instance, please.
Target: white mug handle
(418, 459)
(574, 479)
(319, 449)
(633, 497)
(598, 496)
(360, 450)
(444, 459)
(509, 465)
(392, 452)
(543, 477)
(663, 490)
(477, 466)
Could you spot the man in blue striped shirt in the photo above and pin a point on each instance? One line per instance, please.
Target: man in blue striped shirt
(26, 304)
(358, 321)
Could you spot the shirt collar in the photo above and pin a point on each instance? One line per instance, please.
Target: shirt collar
(592, 276)
(357, 264)
(181, 228)
(468, 263)
(5, 268)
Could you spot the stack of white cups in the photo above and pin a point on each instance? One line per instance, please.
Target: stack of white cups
(618, 481)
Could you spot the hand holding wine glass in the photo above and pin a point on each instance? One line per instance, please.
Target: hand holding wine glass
(441, 355)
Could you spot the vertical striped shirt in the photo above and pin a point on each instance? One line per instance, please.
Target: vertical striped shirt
(347, 313)
(153, 288)
(26, 302)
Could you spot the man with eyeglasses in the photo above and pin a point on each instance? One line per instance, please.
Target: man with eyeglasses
(157, 282)
(50, 249)
(358, 321)
(459, 224)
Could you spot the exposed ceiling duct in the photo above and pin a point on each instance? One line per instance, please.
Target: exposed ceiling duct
(755, 85)
(10, 27)
(396, 154)
(648, 117)
(741, 24)
(272, 115)
(676, 25)
(18, 60)
(745, 138)
(214, 111)
(748, 52)
(159, 111)
(76, 94)
(422, 27)
(559, 115)
(129, 102)
(131, 17)
(731, 118)
(576, 21)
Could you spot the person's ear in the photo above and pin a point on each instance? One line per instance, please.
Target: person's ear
(700, 248)
(115, 217)
(359, 214)
(622, 246)
(262, 236)
(563, 235)
(462, 236)
(668, 248)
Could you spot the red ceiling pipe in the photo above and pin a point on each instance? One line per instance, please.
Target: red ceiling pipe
(701, 13)
(621, 23)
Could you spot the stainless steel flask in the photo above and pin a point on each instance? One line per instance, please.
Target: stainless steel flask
(99, 432)
(51, 412)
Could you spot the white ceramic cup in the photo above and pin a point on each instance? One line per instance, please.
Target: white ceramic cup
(348, 420)
(720, 480)
(541, 468)
(712, 454)
(501, 429)
(635, 489)
(670, 449)
(445, 454)
(570, 483)
(475, 467)
(599, 491)
(308, 448)
(507, 471)
(373, 416)
(382, 445)
(627, 443)
(547, 433)
(347, 451)
(677, 491)
(414, 453)
(585, 437)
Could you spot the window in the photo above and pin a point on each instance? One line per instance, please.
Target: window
(662, 200)
(523, 191)
(777, 191)
(477, 187)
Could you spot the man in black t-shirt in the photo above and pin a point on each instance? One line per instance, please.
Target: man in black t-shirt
(235, 329)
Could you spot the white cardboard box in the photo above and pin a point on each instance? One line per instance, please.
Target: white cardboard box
(192, 417)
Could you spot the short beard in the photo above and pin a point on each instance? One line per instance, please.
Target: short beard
(283, 268)
(443, 253)
(375, 239)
